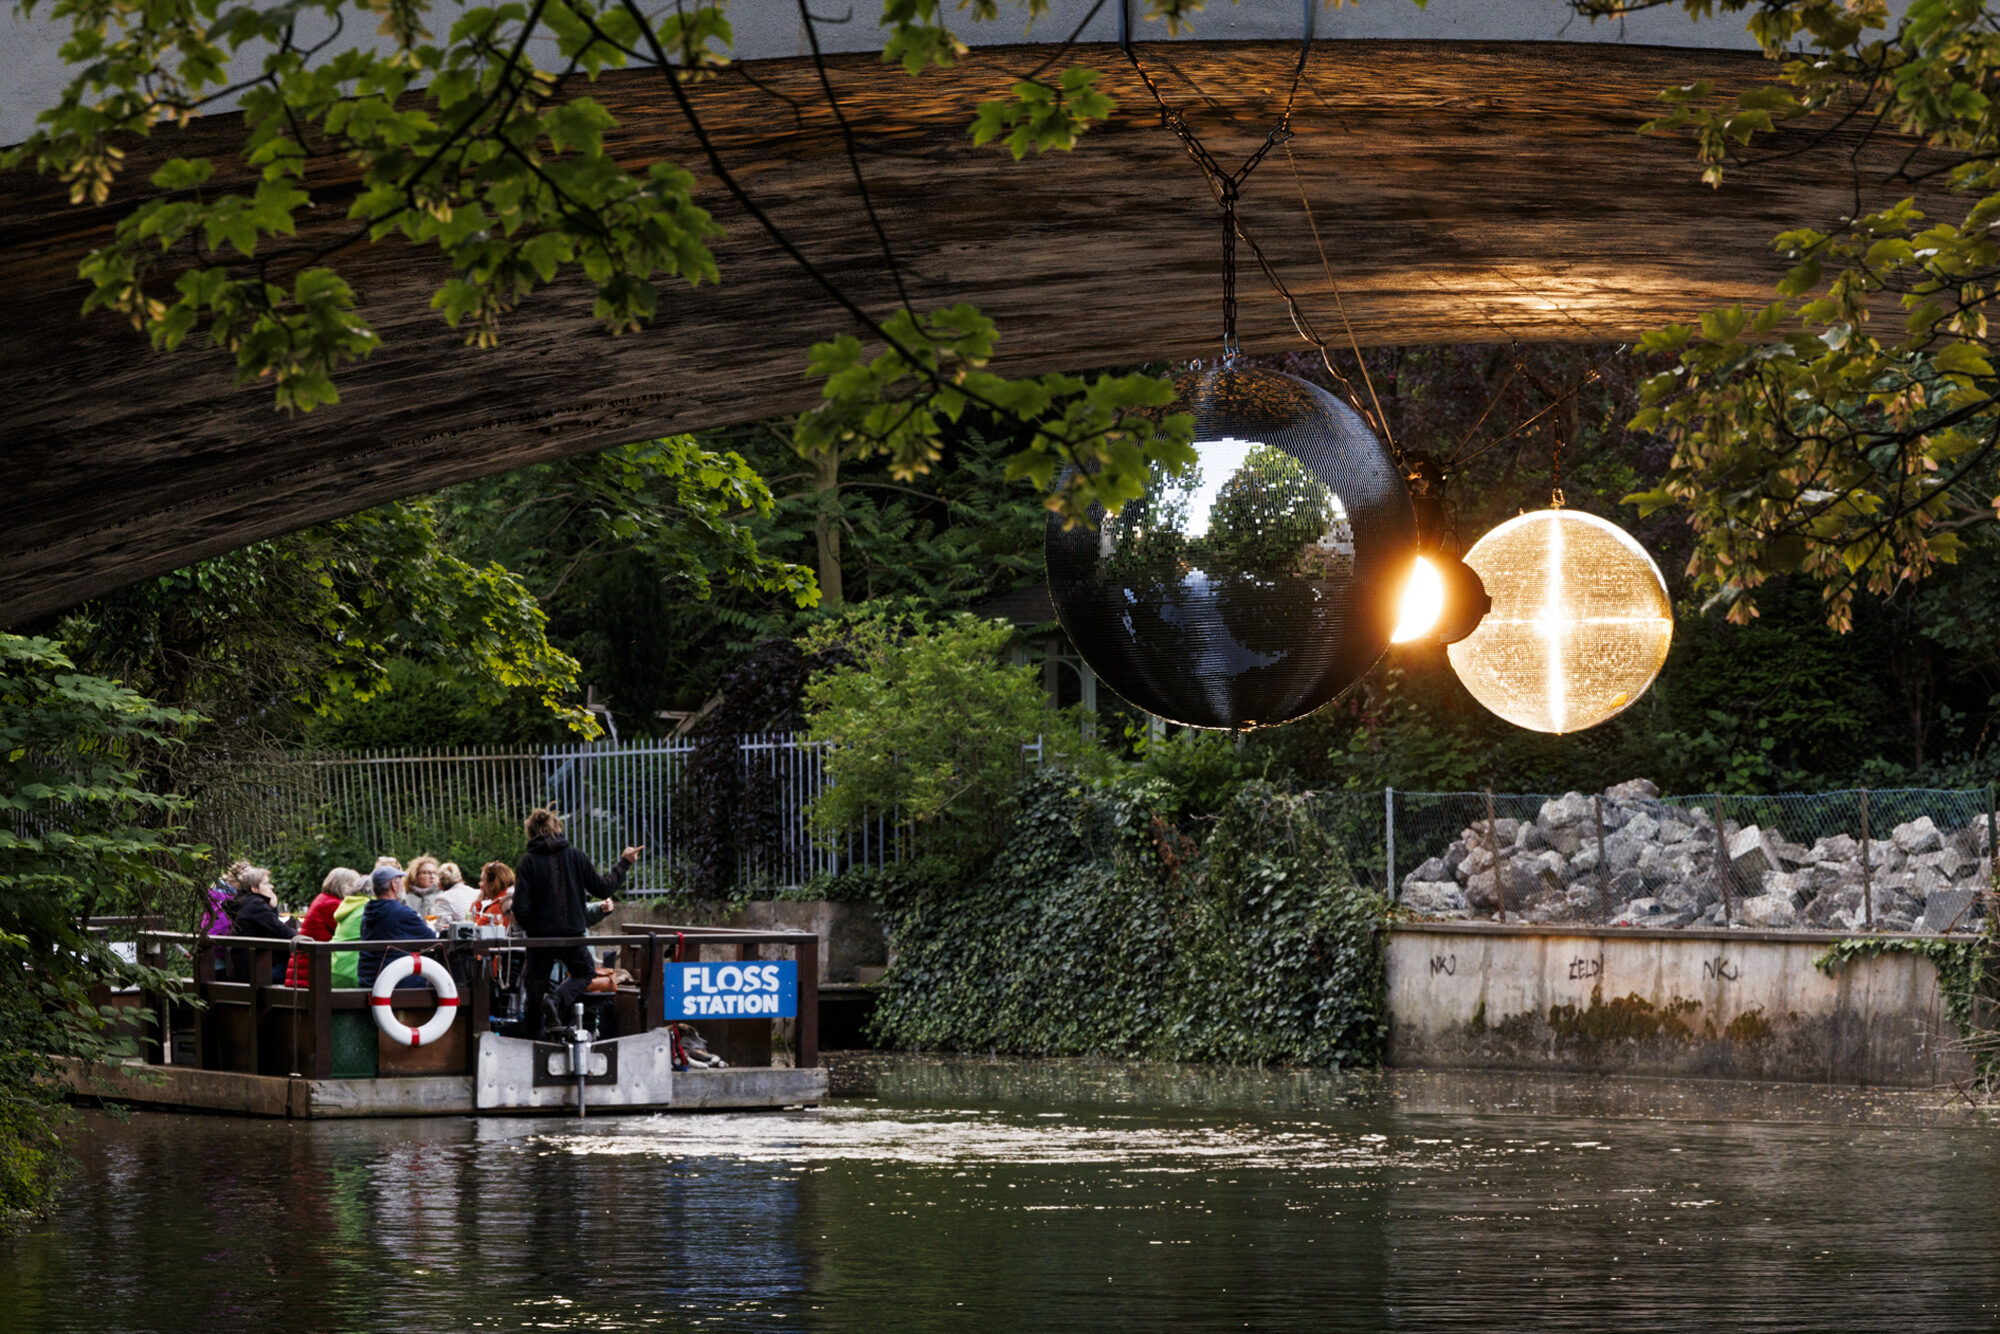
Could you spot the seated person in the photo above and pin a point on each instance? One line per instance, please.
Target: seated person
(253, 911)
(319, 921)
(389, 918)
(495, 904)
(455, 897)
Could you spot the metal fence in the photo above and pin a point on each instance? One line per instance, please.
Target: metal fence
(467, 805)
(1885, 860)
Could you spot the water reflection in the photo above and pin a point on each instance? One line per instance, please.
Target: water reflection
(1000, 1195)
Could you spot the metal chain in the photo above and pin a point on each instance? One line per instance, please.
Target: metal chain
(1556, 463)
(1227, 185)
(1229, 347)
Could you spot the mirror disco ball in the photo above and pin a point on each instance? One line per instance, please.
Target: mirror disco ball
(1258, 585)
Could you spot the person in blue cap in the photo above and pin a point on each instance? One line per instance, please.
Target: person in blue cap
(389, 918)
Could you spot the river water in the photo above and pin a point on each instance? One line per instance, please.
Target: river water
(980, 1195)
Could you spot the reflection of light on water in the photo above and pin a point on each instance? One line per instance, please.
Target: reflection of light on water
(974, 1139)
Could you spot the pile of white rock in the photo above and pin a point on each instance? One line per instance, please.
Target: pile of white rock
(1660, 870)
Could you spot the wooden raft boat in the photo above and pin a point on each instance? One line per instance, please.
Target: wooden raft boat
(262, 1048)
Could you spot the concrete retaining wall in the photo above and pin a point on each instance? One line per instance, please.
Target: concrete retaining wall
(1728, 1004)
(852, 936)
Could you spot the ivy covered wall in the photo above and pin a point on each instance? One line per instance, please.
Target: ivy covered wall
(1103, 928)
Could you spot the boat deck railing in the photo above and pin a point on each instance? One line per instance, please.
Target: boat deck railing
(292, 1025)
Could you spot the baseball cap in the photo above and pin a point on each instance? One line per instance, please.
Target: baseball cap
(384, 877)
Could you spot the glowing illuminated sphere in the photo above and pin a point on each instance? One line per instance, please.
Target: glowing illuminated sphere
(1580, 622)
(1256, 586)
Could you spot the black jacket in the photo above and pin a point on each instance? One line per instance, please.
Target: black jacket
(388, 919)
(251, 914)
(552, 884)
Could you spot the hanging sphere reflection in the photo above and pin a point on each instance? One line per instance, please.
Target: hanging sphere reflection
(1256, 586)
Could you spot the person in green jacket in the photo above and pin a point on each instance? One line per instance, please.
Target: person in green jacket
(347, 926)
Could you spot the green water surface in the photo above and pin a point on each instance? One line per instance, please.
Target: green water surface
(978, 1195)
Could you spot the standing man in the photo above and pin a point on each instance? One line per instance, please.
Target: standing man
(552, 888)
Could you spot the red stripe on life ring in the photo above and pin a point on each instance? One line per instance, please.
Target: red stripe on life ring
(416, 1038)
(448, 1000)
(381, 1000)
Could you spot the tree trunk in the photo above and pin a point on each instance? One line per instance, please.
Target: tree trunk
(826, 524)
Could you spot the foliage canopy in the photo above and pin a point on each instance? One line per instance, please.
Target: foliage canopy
(926, 722)
(80, 835)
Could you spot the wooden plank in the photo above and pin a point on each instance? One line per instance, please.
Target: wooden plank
(1467, 191)
(177, 1086)
(807, 955)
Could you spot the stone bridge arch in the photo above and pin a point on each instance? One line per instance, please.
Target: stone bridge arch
(1476, 190)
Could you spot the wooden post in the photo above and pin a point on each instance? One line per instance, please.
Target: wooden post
(1603, 871)
(807, 953)
(260, 977)
(1867, 881)
(156, 1002)
(204, 1012)
(1723, 870)
(481, 1014)
(319, 958)
(1992, 818)
(650, 981)
(1493, 844)
(1389, 838)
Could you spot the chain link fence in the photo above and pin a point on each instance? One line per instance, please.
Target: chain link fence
(1906, 859)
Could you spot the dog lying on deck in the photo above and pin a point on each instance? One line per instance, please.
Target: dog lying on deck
(695, 1048)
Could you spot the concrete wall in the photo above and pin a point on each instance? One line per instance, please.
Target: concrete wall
(1737, 1004)
(851, 935)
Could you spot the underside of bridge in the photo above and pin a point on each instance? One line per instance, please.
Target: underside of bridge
(1464, 192)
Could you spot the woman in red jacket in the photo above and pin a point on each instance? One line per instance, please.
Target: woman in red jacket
(318, 924)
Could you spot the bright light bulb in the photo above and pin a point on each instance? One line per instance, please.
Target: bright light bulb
(1423, 603)
(1580, 624)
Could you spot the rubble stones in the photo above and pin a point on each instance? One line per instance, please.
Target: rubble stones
(1947, 909)
(1435, 898)
(1434, 870)
(1770, 911)
(1660, 864)
(1637, 789)
(1918, 835)
(1753, 852)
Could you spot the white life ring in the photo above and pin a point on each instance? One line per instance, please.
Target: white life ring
(434, 973)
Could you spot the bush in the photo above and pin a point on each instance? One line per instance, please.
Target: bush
(79, 836)
(925, 721)
(1101, 929)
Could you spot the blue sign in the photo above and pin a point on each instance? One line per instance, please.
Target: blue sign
(732, 990)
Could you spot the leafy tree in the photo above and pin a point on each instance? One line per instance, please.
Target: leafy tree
(1810, 436)
(957, 536)
(467, 146)
(256, 638)
(262, 640)
(80, 835)
(927, 723)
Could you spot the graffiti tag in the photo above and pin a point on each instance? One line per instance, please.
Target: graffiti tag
(1582, 970)
(1720, 967)
(1444, 963)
